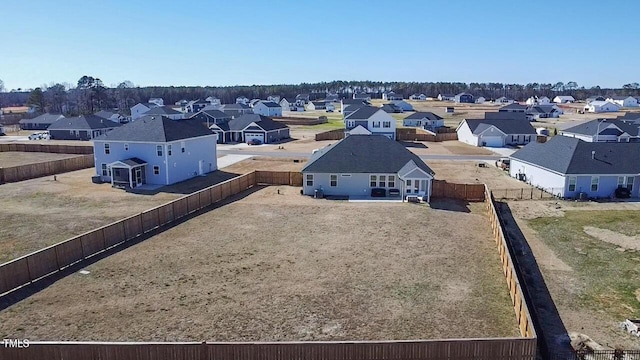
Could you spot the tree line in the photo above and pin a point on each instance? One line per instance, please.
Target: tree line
(90, 94)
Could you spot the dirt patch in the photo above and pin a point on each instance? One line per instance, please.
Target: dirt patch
(281, 266)
(266, 164)
(468, 172)
(615, 238)
(16, 158)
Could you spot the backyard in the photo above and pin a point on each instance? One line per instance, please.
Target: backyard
(14, 158)
(274, 265)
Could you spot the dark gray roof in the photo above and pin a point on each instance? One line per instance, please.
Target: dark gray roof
(319, 103)
(568, 155)
(234, 106)
(590, 128)
(363, 154)
(541, 109)
(133, 161)
(85, 122)
(105, 114)
(157, 129)
(390, 108)
(423, 115)
(446, 95)
(270, 104)
(214, 114)
(354, 102)
(162, 110)
(629, 116)
(513, 106)
(266, 123)
(507, 126)
(42, 119)
(363, 113)
(463, 93)
(505, 115)
(620, 97)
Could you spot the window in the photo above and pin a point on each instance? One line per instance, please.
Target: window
(182, 145)
(408, 186)
(572, 183)
(376, 124)
(334, 180)
(621, 181)
(116, 172)
(156, 170)
(630, 183)
(169, 150)
(392, 181)
(594, 183)
(309, 180)
(382, 182)
(373, 181)
(386, 124)
(351, 123)
(107, 150)
(126, 147)
(104, 170)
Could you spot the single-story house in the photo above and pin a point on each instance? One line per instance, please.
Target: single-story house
(630, 117)
(360, 166)
(267, 108)
(86, 127)
(464, 97)
(446, 97)
(374, 119)
(391, 108)
(110, 115)
(155, 150)
(535, 100)
(595, 98)
(543, 111)
(513, 107)
(329, 106)
(604, 130)
(418, 97)
(236, 110)
(601, 106)
(362, 96)
(41, 122)
(249, 127)
(496, 132)
(425, 120)
(405, 106)
(211, 117)
(167, 111)
(504, 100)
(568, 167)
(316, 105)
(623, 101)
(563, 99)
(480, 100)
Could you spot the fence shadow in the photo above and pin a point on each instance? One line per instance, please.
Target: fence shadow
(413, 144)
(450, 205)
(196, 184)
(26, 291)
(553, 339)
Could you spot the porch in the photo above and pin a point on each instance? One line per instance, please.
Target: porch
(128, 174)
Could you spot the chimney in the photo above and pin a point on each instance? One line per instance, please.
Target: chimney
(593, 155)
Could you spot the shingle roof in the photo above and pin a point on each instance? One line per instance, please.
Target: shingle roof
(363, 154)
(601, 103)
(363, 113)
(234, 106)
(85, 122)
(42, 119)
(568, 155)
(162, 110)
(354, 101)
(105, 114)
(215, 114)
(507, 126)
(514, 106)
(264, 122)
(505, 115)
(270, 104)
(540, 109)
(620, 97)
(423, 115)
(591, 127)
(156, 129)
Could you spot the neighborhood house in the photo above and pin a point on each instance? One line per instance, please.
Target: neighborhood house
(496, 132)
(84, 127)
(604, 130)
(369, 119)
(250, 128)
(426, 120)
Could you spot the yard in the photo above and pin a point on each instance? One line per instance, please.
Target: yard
(14, 158)
(589, 254)
(275, 265)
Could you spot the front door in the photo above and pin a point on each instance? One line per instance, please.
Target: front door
(138, 176)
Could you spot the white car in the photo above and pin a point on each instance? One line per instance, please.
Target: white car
(40, 136)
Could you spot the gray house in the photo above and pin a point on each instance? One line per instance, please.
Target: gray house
(604, 130)
(568, 167)
(425, 120)
(361, 166)
(248, 127)
(84, 127)
(496, 132)
(369, 119)
(464, 97)
(41, 122)
(236, 110)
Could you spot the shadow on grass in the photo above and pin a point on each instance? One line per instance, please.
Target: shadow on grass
(192, 185)
(450, 205)
(553, 340)
(14, 297)
(412, 144)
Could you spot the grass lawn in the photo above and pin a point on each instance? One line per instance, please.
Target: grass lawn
(333, 122)
(608, 277)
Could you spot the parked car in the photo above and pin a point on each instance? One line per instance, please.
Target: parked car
(503, 163)
(40, 136)
(254, 142)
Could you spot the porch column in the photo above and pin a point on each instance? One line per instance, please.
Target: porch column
(110, 170)
(131, 178)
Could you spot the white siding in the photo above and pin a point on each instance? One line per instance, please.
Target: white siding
(538, 177)
(466, 136)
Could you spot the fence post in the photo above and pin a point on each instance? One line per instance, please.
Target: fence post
(522, 194)
(531, 194)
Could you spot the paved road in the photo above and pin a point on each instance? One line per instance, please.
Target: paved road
(306, 155)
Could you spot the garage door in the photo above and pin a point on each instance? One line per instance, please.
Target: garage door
(491, 141)
(250, 136)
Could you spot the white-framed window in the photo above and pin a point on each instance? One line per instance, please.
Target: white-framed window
(156, 170)
(169, 150)
(386, 124)
(572, 183)
(126, 147)
(159, 150)
(182, 146)
(630, 182)
(408, 186)
(376, 124)
(334, 180)
(351, 123)
(382, 181)
(107, 149)
(391, 181)
(594, 183)
(105, 171)
(621, 182)
(309, 179)
(373, 181)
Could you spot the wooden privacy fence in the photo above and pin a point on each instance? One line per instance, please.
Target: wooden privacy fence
(530, 193)
(291, 178)
(337, 134)
(415, 134)
(297, 120)
(47, 148)
(454, 349)
(469, 192)
(32, 171)
(523, 315)
(31, 267)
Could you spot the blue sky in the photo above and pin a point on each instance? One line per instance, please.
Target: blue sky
(273, 42)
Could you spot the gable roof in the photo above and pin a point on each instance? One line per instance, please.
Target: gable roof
(602, 103)
(215, 114)
(270, 104)
(42, 119)
(541, 109)
(235, 106)
(364, 113)
(513, 106)
(354, 102)
(507, 126)
(84, 122)
(505, 115)
(568, 155)
(590, 128)
(105, 114)
(621, 97)
(158, 129)
(266, 123)
(162, 110)
(423, 115)
(363, 154)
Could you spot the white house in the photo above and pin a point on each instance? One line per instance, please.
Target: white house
(496, 132)
(426, 120)
(601, 106)
(365, 166)
(212, 100)
(316, 105)
(362, 96)
(374, 119)
(250, 127)
(604, 130)
(155, 150)
(503, 100)
(480, 100)
(534, 100)
(390, 95)
(167, 111)
(405, 106)
(623, 101)
(267, 108)
(446, 97)
(563, 99)
(242, 100)
(157, 101)
(274, 98)
(286, 105)
(138, 110)
(418, 97)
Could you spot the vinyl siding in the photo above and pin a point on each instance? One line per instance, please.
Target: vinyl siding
(355, 185)
(466, 136)
(538, 177)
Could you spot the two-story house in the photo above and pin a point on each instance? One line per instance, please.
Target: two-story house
(267, 108)
(138, 110)
(155, 150)
(372, 119)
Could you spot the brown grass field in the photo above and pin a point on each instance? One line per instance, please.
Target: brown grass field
(286, 267)
(12, 158)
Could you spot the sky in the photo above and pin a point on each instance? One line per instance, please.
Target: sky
(221, 42)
